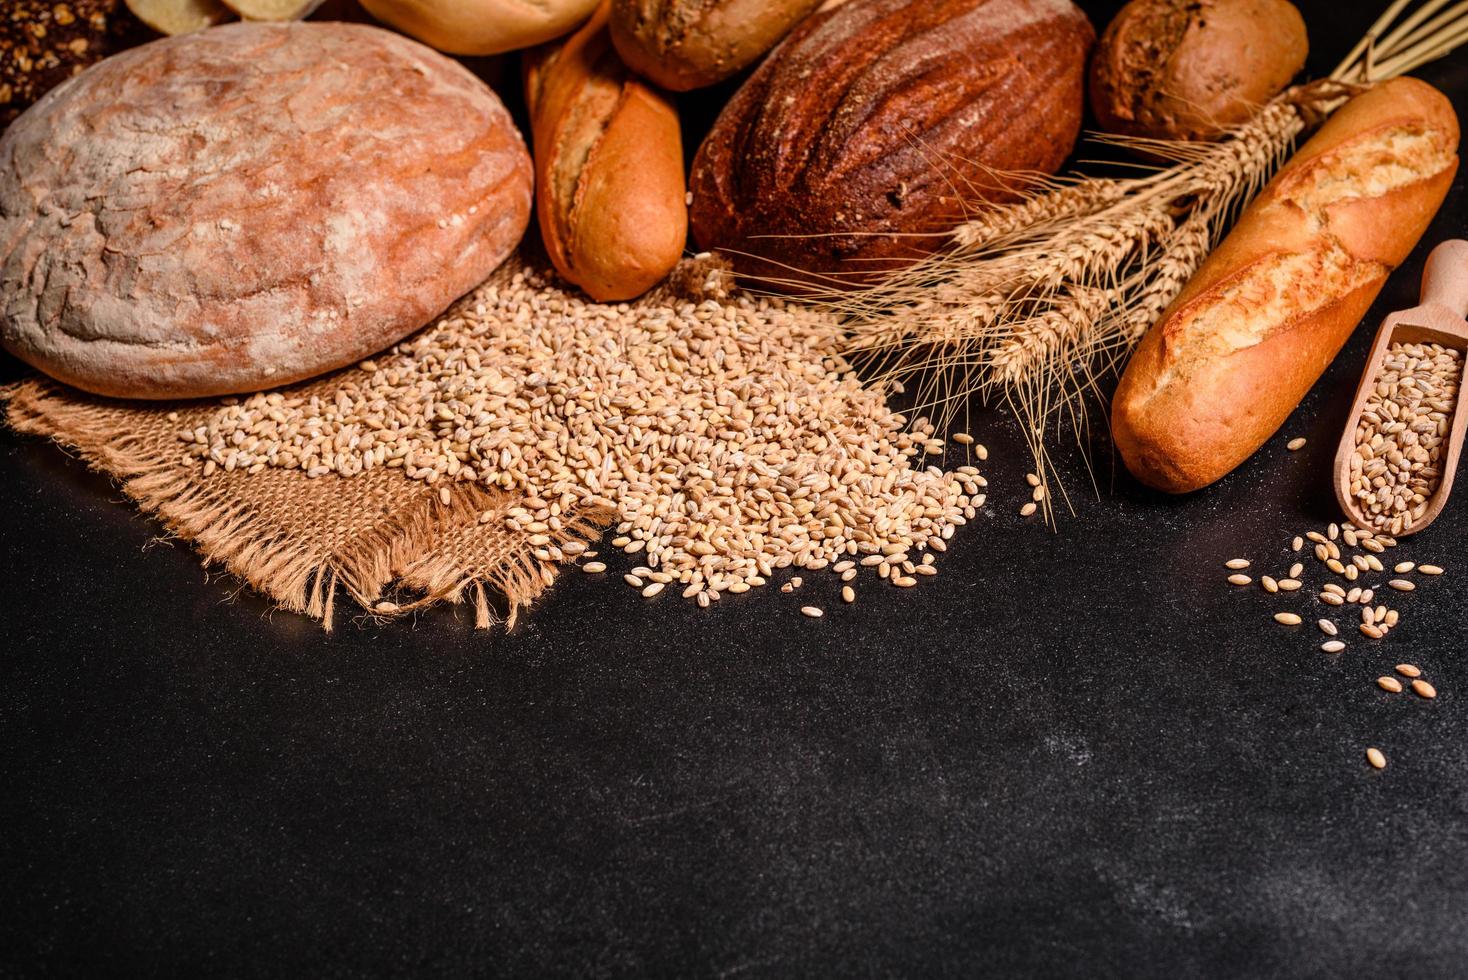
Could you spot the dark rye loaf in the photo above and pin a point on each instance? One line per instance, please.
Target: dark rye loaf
(249, 206)
(883, 118)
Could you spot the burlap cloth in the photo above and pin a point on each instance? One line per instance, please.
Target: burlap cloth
(299, 541)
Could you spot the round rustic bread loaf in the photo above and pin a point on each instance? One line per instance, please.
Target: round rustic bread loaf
(249, 206)
(1190, 69)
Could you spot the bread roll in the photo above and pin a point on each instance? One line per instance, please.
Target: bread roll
(482, 26)
(687, 44)
(1270, 308)
(260, 208)
(273, 9)
(609, 167)
(174, 17)
(1189, 69)
(868, 132)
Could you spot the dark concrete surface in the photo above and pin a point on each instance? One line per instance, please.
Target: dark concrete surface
(1072, 754)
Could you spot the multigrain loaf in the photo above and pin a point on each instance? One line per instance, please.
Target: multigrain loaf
(1233, 355)
(868, 132)
(1189, 69)
(687, 44)
(249, 206)
(610, 192)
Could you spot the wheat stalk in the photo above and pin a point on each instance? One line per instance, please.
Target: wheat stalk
(1036, 300)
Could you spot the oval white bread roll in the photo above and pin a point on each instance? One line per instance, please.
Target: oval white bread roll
(1243, 342)
(482, 26)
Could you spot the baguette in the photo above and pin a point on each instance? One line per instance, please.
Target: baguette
(1240, 346)
(609, 167)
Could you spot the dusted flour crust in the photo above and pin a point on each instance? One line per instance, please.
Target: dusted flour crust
(249, 206)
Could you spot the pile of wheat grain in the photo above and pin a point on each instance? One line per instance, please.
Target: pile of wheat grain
(731, 437)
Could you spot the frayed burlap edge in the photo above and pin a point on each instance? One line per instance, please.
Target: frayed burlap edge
(409, 541)
(457, 551)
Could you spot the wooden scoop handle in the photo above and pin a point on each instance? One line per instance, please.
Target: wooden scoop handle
(1445, 280)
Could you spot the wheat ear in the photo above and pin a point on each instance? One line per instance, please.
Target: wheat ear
(1034, 300)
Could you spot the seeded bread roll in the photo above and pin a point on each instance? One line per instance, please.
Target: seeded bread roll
(1241, 345)
(258, 210)
(482, 26)
(609, 167)
(1189, 69)
(687, 44)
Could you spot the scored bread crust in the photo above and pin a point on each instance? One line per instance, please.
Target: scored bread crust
(1271, 307)
(609, 167)
(249, 206)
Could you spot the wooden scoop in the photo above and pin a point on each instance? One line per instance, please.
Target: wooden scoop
(1438, 320)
